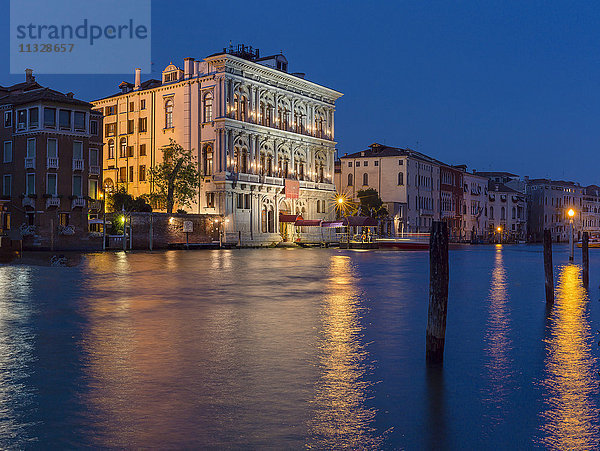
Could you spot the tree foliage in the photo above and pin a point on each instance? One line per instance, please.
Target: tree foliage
(371, 204)
(122, 200)
(176, 180)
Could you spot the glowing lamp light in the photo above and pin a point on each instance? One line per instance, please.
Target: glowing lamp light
(499, 229)
(123, 219)
(340, 200)
(171, 219)
(571, 212)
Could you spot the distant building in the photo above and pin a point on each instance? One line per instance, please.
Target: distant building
(550, 200)
(507, 213)
(408, 182)
(264, 139)
(475, 207)
(51, 165)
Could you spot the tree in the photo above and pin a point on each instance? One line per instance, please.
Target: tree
(176, 179)
(122, 200)
(370, 203)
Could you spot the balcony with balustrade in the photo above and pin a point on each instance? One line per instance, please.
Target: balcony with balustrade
(52, 163)
(30, 163)
(78, 202)
(94, 170)
(28, 202)
(52, 202)
(77, 164)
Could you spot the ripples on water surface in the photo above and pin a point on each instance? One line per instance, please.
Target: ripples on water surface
(297, 349)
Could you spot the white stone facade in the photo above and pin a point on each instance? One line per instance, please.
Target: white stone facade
(475, 208)
(259, 134)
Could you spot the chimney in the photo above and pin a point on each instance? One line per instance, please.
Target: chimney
(29, 78)
(187, 67)
(70, 95)
(138, 79)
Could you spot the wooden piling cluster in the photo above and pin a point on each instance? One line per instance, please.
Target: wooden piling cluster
(438, 292)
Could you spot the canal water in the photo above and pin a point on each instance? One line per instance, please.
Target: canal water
(277, 348)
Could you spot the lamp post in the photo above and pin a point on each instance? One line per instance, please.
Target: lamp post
(499, 229)
(571, 213)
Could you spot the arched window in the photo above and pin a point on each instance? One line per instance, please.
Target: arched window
(269, 168)
(236, 106)
(400, 178)
(244, 161)
(365, 179)
(503, 213)
(169, 113)
(207, 160)
(514, 212)
(262, 114)
(243, 109)
(268, 116)
(263, 220)
(286, 168)
(111, 148)
(109, 185)
(208, 102)
(236, 159)
(123, 148)
(350, 181)
(271, 220)
(262, 164)
(301, 170)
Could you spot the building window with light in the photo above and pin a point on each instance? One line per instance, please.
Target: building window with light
(208, 103)
(207, 160)
(243, 108)
(169, 113)
(111, 148)
(123, 148)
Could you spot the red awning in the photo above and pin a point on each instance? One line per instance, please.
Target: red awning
(308, 223)
(360, 221)
(289, 218)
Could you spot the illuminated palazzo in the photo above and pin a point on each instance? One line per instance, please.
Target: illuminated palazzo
(264, 139)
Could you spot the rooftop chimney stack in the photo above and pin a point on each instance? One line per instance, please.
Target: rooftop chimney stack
(138, 79)
(187, 67)
(29, 78)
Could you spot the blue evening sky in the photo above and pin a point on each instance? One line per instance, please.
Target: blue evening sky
(496, 85)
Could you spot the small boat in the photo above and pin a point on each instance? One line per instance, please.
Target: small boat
(591, 244)
(414, 242)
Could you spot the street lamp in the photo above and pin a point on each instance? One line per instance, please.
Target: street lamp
(571, 213)
(499, 229)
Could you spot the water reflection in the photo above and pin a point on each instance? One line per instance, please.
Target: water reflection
(570, 419)
(498, 349)
(342, 418)
(16, 356)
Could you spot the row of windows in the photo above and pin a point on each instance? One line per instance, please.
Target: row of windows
(125, 151)
(365, 163)
(51, 150)
(67, 119)
(366, 179)
(112, 109)
(111, 129)
(51, 185)
(126, 174)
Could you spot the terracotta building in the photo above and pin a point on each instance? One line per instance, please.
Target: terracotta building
(50, 166)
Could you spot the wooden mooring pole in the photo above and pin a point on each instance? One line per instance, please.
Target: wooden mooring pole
(548, 270)
(585, 259)
(438, 292)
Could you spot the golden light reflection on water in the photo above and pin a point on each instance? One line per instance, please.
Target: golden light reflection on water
(342, 418)
(570, 419)
(498, 348)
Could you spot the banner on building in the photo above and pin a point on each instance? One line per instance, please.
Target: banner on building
(292, 189)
